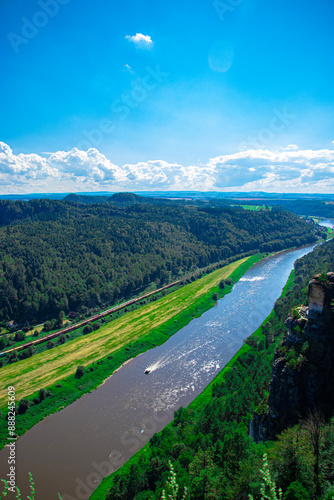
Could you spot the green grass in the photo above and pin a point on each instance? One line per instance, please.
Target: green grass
(254, 208)
(104, 350)
(330, 233)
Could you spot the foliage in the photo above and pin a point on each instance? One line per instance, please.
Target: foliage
(268, 488)
(80, 371)
(172, 487)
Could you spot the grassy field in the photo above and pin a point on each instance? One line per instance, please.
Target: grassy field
(41, 370)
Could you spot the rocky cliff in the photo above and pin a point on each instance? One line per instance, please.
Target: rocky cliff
(303, 370)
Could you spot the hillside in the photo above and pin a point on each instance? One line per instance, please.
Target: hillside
(58, 256)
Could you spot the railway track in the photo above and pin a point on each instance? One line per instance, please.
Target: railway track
(68, 329)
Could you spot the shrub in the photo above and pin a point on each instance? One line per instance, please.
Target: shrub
(19, 336)
(252, 340)
(42, 394)
(296, 492)
(80, 371)
(88, 329)
(23, 406)
(215, 296)
(47, 326)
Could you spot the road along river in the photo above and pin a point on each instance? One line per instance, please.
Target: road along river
(69, 452)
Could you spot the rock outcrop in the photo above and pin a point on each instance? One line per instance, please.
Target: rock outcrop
(318, 293)
(303, 370)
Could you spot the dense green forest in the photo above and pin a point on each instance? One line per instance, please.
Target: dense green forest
(208, 444)
(298, 206)
(60, 255)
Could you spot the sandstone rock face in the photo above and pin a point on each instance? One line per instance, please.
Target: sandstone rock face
(320, 292)
(316, 296)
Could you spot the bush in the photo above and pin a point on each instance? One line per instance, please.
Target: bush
(61, 339)
(252, 340)
(222, 284)
(80, 371)
(42, 394)
(296, 492)
(215, 296)
(47, 326)
(228, 281)
(88, 329)
(50, 345)
(23, 406)
(19, 336)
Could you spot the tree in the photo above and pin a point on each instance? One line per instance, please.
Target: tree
(172, 488)
(80, 371)
(88, 329)
(19, 336)
(268, 486)
(47, 326)
(202, 470)
(42, 394)
(313, 424)
(296, 492)
(23, 406)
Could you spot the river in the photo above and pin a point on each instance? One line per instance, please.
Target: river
(70, 451)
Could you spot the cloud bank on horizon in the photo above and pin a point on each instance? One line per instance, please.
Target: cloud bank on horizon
(289, 170)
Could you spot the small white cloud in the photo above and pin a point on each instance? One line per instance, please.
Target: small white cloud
(291, 147)
(252, 169)
(128, 68)
(140, 40)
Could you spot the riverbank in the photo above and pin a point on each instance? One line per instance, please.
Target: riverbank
(198, 405)
(136, 332)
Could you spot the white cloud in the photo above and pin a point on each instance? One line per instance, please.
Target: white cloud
(128, 68)
(288, 170)
(140, 40)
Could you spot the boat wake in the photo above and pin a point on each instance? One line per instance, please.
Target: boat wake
(174, 357)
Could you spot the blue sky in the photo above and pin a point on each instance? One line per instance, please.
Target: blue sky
(230, 77)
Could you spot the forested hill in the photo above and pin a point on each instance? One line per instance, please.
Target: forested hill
(58, 255)
(119, 199)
